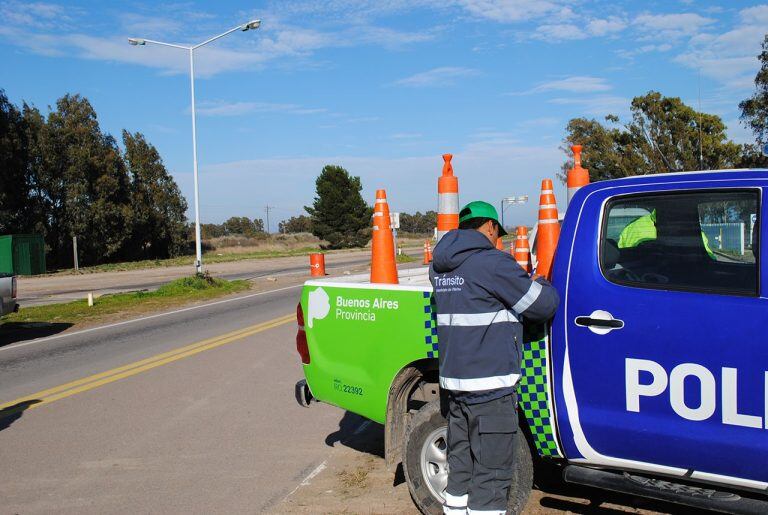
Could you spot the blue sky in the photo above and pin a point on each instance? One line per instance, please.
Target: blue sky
(381, 87)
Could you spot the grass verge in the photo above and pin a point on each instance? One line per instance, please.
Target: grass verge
(171, 294)
(405, 258)
(208, 258)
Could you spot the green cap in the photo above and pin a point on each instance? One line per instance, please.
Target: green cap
(480, 209)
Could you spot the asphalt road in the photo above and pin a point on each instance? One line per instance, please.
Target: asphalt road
(35, 291)
(161, 415)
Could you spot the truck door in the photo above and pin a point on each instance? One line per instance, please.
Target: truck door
(666, 365)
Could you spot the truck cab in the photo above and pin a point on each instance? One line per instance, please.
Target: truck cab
(652, 379)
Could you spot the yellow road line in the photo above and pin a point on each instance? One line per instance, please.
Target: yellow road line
(115, 374)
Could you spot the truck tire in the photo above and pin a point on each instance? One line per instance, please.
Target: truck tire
(425, 440)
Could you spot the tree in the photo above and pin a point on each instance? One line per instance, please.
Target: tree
(83, 183)
(295, 224)
(754, 113)
(339, 214)
(158, 217)
(418, 223)
(665, 135)
(244, 226)
(15, 215)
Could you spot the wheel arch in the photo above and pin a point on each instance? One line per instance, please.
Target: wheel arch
(413, 386)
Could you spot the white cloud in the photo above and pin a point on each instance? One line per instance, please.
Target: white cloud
(507, 11)
(575, 84)
(594, 27)
(729, 57)
(443, 76)
(603, 27)
(54, 30)
(242, 108)
(644, 49)
(599, 105)
(671, 26)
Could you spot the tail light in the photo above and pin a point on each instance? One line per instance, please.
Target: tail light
(301, 336)
(13, 287)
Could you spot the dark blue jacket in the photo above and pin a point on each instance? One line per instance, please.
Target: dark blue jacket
(481, 296)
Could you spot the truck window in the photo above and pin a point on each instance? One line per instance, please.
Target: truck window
(701, 241)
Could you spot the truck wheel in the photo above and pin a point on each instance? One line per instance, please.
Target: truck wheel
(426, 468)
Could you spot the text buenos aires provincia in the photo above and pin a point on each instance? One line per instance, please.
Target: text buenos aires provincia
(362, 309)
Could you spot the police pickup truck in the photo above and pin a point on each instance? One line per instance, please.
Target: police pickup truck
(652, 379)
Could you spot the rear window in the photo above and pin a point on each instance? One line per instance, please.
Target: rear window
(703, 241)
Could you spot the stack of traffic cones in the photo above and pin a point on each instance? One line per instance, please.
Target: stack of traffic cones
(522, 250)
(549, 230)
(578, 177)
(427, 252)
(447, 199)
(383, 266)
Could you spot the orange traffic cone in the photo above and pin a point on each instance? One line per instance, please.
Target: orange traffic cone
(447, 199)
(427, 252)
(499, 244)
(577, 176)
(383, 267)
(549, 229)
(522, 249)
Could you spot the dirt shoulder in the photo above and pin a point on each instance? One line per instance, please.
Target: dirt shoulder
(354, 480)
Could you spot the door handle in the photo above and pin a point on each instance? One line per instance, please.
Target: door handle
(599, 322)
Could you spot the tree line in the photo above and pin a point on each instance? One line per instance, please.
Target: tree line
(236, 225)
(61, 176)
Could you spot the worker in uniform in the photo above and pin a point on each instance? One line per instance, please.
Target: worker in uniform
(482, 297)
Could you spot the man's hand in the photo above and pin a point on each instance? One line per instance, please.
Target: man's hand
(535, 276)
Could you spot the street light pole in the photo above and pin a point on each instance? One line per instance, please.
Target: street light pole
(253, 24)
(198, 244)
(521, 199)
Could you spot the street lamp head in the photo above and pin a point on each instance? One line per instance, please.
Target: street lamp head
(253, 24)
(136, 41)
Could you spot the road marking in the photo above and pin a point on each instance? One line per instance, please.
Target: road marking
(312, 474)
(307, 479)
(158, 315)
(88, 383)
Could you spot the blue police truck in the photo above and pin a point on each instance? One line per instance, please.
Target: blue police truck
(652, 379)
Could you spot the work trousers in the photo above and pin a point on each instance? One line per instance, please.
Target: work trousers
(480, 454)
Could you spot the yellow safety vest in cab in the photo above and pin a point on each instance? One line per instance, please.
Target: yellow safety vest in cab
(644, 229)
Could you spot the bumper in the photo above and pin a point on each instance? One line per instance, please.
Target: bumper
(303, 394)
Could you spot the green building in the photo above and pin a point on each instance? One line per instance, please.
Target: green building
(22, 254)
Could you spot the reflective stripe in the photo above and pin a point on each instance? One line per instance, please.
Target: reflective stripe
(549, 221)
(547, 192)
(456, 501)
(547, 206)
(381, 201)
(479, 383)
(378, 214)
(475, 319)
(529, 298)
(448, 203)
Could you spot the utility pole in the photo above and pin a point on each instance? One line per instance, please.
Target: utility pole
(74, 252)
(267, 208)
